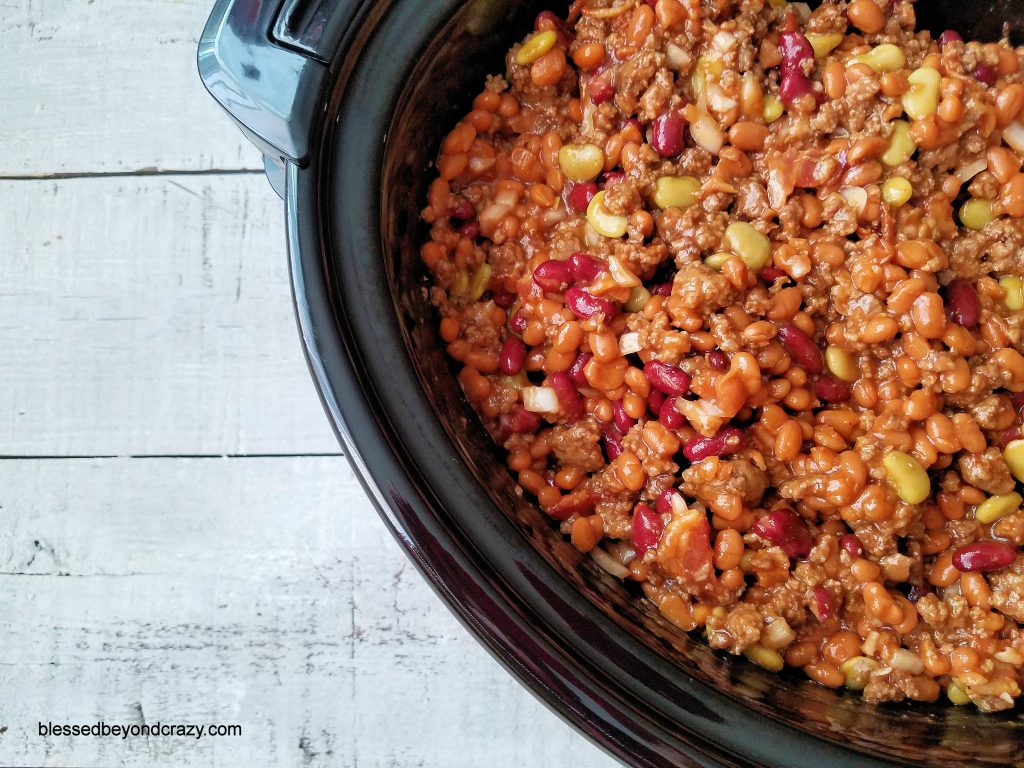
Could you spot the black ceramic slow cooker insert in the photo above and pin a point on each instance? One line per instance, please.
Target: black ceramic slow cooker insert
(349, 100)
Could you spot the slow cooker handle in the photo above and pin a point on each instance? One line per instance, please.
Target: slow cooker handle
(267, 63)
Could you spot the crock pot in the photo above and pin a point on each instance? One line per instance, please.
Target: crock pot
(348, 101)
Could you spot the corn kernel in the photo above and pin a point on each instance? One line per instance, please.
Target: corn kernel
(857, 672)
(749, 244)
(771, 109)
(957, 693)
(478, 283)
(1014, 288)
(460, 284)
(901, 146)
(995, 507)
(581, 162)
(884, 58)
(823, 45)
(921, 100)
(976, 213)
(536, 46)
(1013, 455)
(602, 221)
(896, 191)
(906, 476)
(841, 364)
(716, 260)
(675, 191)
(764, 657)
(638, 298)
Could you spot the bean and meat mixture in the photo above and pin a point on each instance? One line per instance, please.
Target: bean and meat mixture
(737, 285)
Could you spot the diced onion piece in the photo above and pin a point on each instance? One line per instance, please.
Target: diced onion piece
(971, 170)
(705, 130)
(629, 343)
(717, 99)
(907, 661)
(676, 57)
(540, 399)
(621, 274)
(723, 42)
(778, 634)
(609, 563)
(1013, 135)
(855, 197)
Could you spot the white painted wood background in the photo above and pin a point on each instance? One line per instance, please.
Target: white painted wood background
(145, 318)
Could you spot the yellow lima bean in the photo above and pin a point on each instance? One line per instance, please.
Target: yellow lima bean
(602, 221)
(771, 108)
(675, 191)
(823, 45)
(906, 476)
(976, 213)
(921, 100)
(901, 146)
(581, 162)
(1013, 455)
(896, 191)
(841, 364)
(857, 672)
(957, 694)
(536, 46)
(1014, 288)
(995, 507)
(764, 657)
(749, 244)
(884, 58)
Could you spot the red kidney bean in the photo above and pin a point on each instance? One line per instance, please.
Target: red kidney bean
(786, 529)
(984, 556)
(1007, 436)
(549, 20)
(821, 606)
(612, 178)
(553, 275)
(470, 230)
(795, 49)
(851, 545)
(463, 211)
(664, 502)
(667, 133)
(794, 86)
(503, 299)
(620, 418)
(667, 378)
(612, 442)
(771, 273)
(802, 349)
(524, 422)
(962, 305)
(585, 268)
(947, 37)
(669, 415)
(831, 390)
(600, 88)
(581, 194)
(512, 356)
(718, 360)
(568, 396)
(725, 442)
(518, 322)
(1017, 398)
(585, 305)
(654, 402)
(661, 289)
(576, 373)
(985, 74)
(504, 430)
(647, 528)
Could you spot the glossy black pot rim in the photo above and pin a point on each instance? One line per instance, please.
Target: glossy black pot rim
(618, 690)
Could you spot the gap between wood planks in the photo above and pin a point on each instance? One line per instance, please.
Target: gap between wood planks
(138, 172)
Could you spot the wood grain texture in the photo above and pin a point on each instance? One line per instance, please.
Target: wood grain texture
(150, 316)
(110, 86)
(263, 592)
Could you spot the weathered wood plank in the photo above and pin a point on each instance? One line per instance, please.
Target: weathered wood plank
(111, 86)
(150, 316)
(263, 592)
